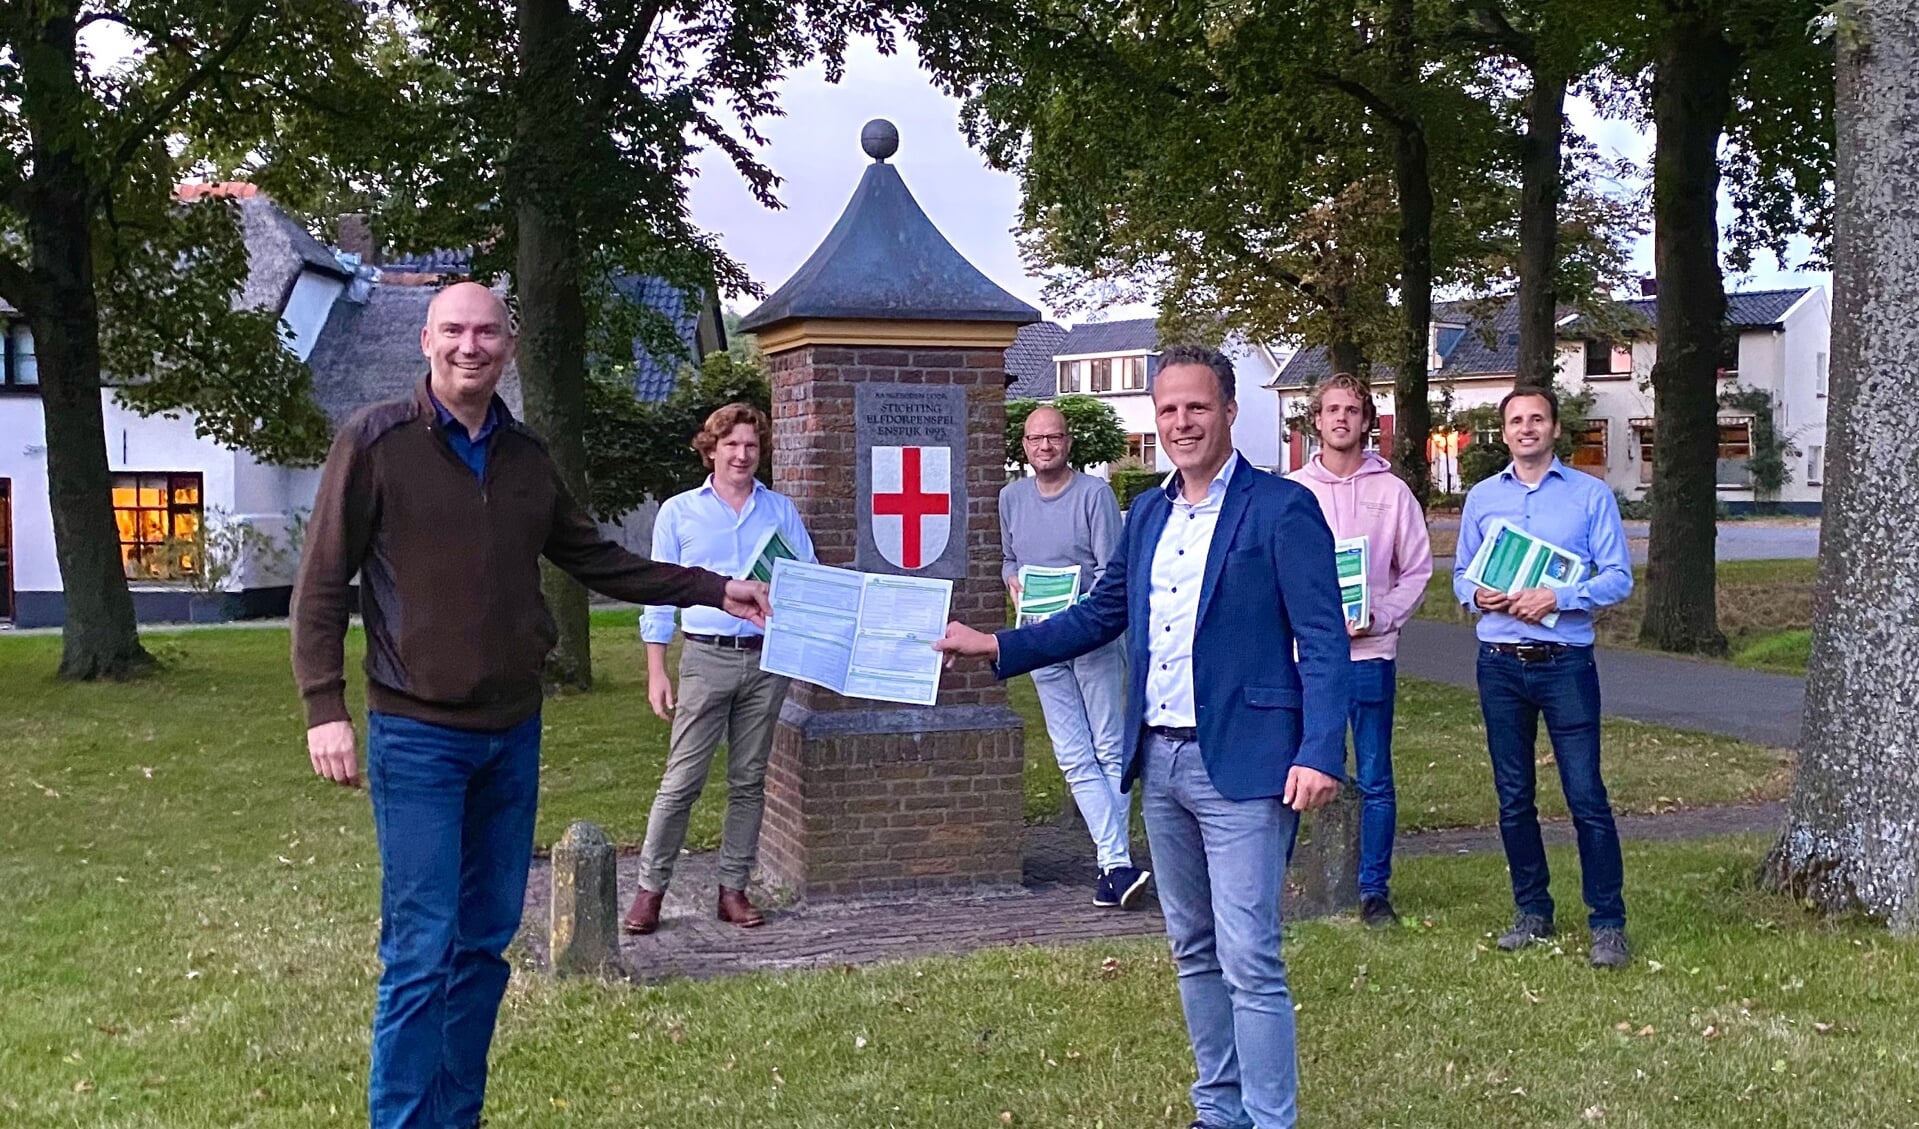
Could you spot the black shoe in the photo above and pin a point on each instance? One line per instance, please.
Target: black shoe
(1376, 912)
(1527, 928)
(1122, 887)
(1610, 949)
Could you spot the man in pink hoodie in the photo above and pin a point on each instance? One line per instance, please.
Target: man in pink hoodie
(1361, 497)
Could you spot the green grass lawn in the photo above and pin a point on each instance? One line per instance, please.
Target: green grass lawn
(191, 920)
(1765, 609)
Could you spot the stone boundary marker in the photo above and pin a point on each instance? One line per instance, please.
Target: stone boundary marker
(583, 937)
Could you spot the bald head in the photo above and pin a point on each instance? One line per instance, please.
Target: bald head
(468, 339)
(1048, 442)
(470, 298)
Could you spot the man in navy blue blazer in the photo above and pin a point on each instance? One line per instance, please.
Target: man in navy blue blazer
(1236, 703)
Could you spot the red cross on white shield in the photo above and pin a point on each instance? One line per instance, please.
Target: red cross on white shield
(912, 504)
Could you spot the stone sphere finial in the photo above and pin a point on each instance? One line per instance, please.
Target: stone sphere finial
(880, 138)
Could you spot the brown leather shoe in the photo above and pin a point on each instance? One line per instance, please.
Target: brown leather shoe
(736, 910)
(644, 916)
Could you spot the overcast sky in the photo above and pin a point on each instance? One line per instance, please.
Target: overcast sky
(815, 148)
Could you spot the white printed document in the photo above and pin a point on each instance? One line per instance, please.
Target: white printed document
(1510, 560)
(862, 634)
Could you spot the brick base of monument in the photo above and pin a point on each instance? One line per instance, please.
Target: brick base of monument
(867, 803)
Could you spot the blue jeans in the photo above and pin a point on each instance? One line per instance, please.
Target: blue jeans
(1372, 721)
(453, 810)
(1083, 701)
(1219, 863)
(1513, 694)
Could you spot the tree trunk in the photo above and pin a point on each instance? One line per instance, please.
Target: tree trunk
(1852, 835)
(1412, 178)
(1413, 414)
(1692, 85)
(99, 636)
(1539, 227)
(546, 279)
(1347, 357)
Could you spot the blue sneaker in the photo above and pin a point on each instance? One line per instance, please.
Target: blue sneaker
(1122, 887)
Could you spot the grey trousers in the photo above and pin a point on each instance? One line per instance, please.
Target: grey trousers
(723, 696)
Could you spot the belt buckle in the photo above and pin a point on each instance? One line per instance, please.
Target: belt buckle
(1533, 652)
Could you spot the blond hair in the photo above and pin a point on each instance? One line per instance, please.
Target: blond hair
(1350, 383)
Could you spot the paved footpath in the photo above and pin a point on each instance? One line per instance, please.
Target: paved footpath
(1698, 694)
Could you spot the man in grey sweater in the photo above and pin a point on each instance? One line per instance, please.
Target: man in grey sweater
(1061, 518)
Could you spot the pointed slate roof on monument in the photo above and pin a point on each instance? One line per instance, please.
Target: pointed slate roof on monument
(884, 260)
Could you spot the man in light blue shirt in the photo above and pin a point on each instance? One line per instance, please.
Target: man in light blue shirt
(1528, 668)
(723, 695)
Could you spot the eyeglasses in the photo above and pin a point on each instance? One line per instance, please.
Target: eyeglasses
(1053, 437)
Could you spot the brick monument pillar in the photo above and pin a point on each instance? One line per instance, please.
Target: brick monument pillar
(888, 356)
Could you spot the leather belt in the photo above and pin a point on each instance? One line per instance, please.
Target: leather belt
(1530, 652)
(1174, 732)
(729, 642)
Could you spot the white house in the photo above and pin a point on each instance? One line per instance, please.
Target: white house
(358, 329)
(1780, 344)
(1117, 361)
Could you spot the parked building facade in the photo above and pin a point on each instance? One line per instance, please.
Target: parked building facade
(1778, 343)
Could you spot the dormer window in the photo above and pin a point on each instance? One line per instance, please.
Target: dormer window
(1071, 373)
(1101, 379)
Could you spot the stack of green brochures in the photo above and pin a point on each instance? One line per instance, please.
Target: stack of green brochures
(1045, 592)
(1355, 594)
(1511, 560)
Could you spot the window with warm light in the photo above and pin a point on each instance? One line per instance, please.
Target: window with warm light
(1589, 447)
(1144, 446)
(158, 516)
(1735, 454)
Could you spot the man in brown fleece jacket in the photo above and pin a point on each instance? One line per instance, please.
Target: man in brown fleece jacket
(442, 503)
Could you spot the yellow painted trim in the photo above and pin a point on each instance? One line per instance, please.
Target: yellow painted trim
(903, 334)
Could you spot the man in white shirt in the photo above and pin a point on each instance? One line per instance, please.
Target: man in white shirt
(1233, 730)
(723, 695)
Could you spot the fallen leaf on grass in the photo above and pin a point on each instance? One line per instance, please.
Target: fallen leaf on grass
(1109, 967)
(1645, 1031)
(859, 1042)
(1005, 1117)
(1823, 1028)
(1593, 1113)
(1711, 1031)
(83, 1086)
